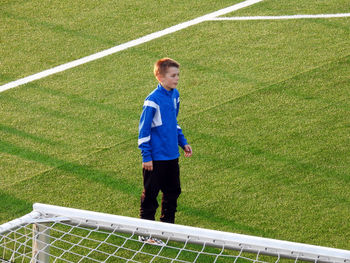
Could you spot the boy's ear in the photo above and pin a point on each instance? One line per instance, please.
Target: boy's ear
(159, 77)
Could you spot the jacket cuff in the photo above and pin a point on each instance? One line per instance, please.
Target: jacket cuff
(146, 159)
(183, 143)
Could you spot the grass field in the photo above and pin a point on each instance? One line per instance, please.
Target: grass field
(264, 104)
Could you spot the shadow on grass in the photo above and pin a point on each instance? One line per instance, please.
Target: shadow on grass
(77, 99)
(221, 221)
(26, 135)
(106, 123)
(299, 165)
(4, 78)
(12, 207)
(109, 180)
(58, 28)
(83, 171)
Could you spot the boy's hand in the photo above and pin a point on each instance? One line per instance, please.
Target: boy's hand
(148, 166)
(188, 150)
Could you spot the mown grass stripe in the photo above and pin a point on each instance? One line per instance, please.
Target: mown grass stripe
(126, 45)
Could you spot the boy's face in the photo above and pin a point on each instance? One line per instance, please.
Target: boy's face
(170, 79)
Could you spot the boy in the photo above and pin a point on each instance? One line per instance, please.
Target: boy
(159, 139)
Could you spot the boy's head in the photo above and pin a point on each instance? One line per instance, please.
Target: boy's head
(167, 71)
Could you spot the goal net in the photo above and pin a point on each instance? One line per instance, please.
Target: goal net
(58, 234)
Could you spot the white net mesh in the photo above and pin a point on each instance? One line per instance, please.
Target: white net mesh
(67, 243)
(60, 238)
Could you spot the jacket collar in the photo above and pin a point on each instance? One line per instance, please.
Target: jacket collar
(164, 91)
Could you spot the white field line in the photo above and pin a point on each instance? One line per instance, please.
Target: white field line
(279, 17)
(126, 45)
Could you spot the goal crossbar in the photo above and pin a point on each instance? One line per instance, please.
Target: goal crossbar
(266, 246)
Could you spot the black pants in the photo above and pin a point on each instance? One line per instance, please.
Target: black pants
(165, 177)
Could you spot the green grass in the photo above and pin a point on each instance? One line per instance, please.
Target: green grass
(265, 106)
(40, 35)
(295, 7)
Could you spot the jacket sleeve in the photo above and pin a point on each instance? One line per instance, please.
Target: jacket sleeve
(145, 132)
(180, 136)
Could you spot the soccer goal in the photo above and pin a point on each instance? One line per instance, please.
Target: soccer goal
(58, 234)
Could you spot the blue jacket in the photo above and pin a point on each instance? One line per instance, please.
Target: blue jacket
(159, 134)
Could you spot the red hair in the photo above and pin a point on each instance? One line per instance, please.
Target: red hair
(162, 65)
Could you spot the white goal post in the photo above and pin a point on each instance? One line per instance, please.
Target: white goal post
(59, 234)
